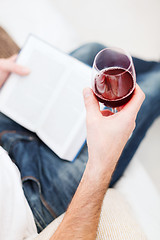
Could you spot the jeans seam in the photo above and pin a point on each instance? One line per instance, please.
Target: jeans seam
(40, 217)
(38, 224)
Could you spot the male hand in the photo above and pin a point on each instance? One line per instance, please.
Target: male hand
(7, 66)
(107, 133)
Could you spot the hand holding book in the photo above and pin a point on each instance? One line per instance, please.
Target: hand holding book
(7, 66)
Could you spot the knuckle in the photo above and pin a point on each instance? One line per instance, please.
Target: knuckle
(134, 125)
(143, 95)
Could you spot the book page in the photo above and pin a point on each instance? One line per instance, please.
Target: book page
(24, 98)
(64, 126)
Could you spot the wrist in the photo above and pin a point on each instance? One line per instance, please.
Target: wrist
(103, 166)
(98, 174)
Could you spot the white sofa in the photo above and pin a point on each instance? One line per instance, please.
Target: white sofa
(40, 17)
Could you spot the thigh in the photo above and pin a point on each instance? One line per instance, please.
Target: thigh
(87, 52)
(8, 124)
(143, 66)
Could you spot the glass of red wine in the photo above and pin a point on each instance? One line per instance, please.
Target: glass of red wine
(113, 78)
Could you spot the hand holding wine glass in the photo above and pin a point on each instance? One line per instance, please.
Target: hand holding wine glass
(114, 78)
(107, 133)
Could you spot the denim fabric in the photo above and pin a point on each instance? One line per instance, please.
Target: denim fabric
(49, 183)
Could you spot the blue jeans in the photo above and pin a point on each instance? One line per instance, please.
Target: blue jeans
(49, 182)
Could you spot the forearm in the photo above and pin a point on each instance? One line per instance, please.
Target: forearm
(82, 217)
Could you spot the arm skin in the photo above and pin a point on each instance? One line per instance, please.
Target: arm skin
(107, 135)
(82, 217)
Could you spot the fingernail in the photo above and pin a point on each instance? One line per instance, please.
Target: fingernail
(87, 92)
(25, 70)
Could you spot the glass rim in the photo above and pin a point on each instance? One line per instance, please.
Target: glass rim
(114, 48)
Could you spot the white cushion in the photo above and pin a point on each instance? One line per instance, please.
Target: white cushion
(116, 221)
(144, 199)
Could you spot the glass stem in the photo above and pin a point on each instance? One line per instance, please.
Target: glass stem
(114, 110)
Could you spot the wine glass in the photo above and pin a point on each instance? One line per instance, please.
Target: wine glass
(113, 77)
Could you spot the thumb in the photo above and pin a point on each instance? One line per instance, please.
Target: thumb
(91, 103)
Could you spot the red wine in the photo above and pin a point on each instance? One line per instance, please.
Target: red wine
(114, 87)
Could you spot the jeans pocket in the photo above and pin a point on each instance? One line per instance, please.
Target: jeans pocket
(43, 213)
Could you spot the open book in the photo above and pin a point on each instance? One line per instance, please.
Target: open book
(49, 100)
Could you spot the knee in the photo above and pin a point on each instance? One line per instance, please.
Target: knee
(87, 52)
(150, 84)
(93, 47)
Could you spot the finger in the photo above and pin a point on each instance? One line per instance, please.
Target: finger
(9, 66)
(133, 106)
(13, 58)
(106, 113)
(91, 103)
